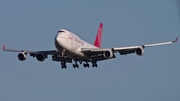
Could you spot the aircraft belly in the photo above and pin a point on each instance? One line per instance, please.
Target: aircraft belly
(70, 49)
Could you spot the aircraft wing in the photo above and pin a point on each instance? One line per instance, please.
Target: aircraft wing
(49, 52)
(132, 49)
(108, 53)
(56, 55)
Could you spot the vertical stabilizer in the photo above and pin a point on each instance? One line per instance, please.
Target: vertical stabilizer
(98, 39)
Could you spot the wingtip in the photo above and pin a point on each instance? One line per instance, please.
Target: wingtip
(4, 47)
(176, 40)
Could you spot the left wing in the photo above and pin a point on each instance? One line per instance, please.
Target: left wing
(139, 50)
(108, 53)
(40, 55)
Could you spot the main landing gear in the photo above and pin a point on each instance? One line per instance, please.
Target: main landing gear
(94, 64)
(63, 65)
(86, 65)
(75, 65)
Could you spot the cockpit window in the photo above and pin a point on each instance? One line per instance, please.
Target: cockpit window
(61, 31)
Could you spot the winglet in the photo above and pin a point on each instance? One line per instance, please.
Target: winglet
(175, 40)
(4, 47)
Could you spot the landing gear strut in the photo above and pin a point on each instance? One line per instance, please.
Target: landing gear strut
(63, 63)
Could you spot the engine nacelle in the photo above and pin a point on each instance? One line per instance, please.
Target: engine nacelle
(40, 57)
(139, 51)
(21, 56)
(108, 54)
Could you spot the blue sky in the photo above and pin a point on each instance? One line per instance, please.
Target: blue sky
(155, 76)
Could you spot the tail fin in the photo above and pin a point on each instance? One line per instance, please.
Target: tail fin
(98, 39)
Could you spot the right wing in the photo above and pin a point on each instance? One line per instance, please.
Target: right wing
(49, 52)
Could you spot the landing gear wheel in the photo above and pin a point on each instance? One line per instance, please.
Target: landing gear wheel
(63, 65)
(94, 65)
(86, 65)
(75, 65)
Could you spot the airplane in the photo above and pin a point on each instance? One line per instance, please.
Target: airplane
(72, 49)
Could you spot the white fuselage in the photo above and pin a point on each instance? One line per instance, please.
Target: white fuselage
(71, 43)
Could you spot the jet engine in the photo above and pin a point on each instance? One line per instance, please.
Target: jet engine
(40, 57)
(108, 54)
(139, 51)
(22, 56)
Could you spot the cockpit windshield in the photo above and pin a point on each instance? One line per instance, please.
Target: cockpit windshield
(61, 31)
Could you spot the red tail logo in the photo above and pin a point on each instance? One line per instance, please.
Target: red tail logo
(98, 39)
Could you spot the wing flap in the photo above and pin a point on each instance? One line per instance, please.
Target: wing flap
(92, 51)
(59, 58)
(101, 57)
(127, 51)
(96, 53)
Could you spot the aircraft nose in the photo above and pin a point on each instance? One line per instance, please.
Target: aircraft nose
(58, 41)
(58, 37)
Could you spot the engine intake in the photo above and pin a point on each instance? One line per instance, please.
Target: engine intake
(22, 56)
(140, 51)
(40, 57)
(108, 54)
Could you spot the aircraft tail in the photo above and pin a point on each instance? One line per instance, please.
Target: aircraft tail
(98, 39)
